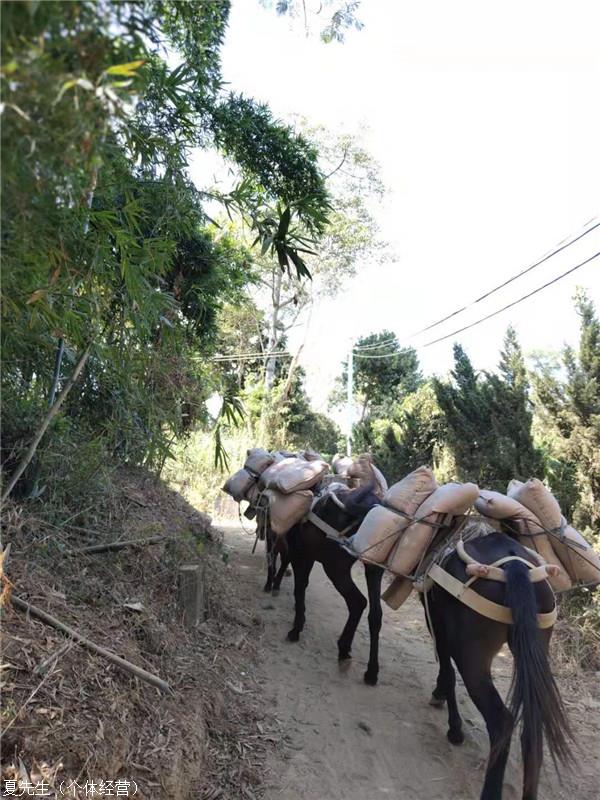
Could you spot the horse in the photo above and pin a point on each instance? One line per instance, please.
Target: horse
(275, 546)
(471, 641)
(307, 543)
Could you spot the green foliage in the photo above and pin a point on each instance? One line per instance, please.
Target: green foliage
(105, 241)
(281, 164)
(568, 409)
(341, 16)
(384, 373)
(488, 419)
(409, 435)
(283, 420)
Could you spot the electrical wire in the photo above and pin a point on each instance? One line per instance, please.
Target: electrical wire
(489, 316)
(251, 356)
(515, 302)
(562, 245)
(510, 280)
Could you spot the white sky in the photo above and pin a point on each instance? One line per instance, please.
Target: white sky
(486, 122)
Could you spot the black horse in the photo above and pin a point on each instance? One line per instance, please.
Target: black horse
(276, 547)
(471, 641)
(307, 543)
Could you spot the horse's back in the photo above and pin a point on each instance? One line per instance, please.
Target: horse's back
(489, 549)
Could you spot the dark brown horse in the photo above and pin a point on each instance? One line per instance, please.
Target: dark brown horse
(307, 543)
(471, 641)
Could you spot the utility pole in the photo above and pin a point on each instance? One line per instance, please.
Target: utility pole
(350, 398)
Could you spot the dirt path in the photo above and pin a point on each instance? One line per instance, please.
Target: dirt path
(348, 741)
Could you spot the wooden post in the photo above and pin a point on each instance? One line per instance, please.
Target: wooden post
(191, 594)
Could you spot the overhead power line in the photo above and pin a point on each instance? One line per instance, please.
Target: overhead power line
(562, 245)
(488, 316)
(515, 302)
(510, 280)
(250, 356)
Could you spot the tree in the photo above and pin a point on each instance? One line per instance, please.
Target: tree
(384, 373)
(342, 16)
(569, 418)
(410, 435)
(350, 237)
(488, 419)
(511, 413)
(106, 245)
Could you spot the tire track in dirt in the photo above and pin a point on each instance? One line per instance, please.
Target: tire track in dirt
(345, 740)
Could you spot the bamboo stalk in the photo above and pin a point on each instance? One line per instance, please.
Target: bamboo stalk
(140, 673)
(101, 548)
(52, 412)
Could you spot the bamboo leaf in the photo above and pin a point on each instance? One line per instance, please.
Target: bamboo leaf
(128, 69)
(37, 295)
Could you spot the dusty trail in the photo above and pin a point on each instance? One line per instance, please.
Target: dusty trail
(348, 741)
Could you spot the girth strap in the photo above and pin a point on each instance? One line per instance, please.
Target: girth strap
(327, 529)
(482, 605)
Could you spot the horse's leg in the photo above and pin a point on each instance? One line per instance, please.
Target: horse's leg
(271, 557)
(477, 678)
(284, 555)
(438, 695)
(302, 566)
(337, 566)
(445, 689)
(374, 575)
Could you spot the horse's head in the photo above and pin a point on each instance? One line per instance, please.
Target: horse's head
(345, 506)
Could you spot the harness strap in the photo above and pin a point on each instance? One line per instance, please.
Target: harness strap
(493, 572)
(327, 529)
(483, 606)
(446, 519)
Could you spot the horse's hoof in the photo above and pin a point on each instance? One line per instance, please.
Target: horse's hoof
(267, 587)
(370, 678)
(293, 636)
(274, 592)
(437, 702)
(455, 736)
(344, 664)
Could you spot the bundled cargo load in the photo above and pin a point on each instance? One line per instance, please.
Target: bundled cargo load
(293, 475)
(328, 481)
(253, 494)
(527, 526)
(364, 471)
(340, 464)
(278, 483)
(286, 510)
(408, 494)
(377, 534)
(382, 525)
(238, 484)
(310, 455)
(577, 556)
(257, 460)
(451, 498)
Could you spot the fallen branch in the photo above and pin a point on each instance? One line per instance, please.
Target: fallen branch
(101, 548)
(52, 412)
(96, 648)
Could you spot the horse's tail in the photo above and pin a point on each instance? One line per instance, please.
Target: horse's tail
(533, 697)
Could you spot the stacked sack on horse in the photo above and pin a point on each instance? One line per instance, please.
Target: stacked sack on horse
(281, 487)
(399, 533)
(418, 520)
(529, 512)
(278, 484)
